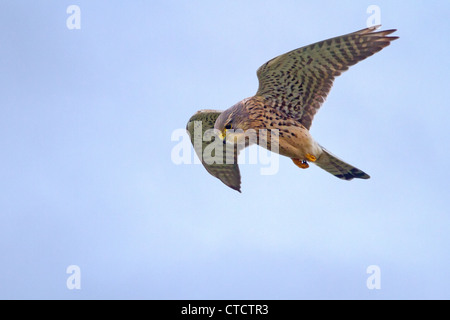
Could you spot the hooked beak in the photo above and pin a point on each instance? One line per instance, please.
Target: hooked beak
(223, 135)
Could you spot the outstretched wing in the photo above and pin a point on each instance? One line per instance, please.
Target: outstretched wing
(299, 81)
(228, 170)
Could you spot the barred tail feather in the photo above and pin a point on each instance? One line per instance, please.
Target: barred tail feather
(339, 168)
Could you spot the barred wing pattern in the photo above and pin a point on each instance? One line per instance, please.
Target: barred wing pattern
(228, 172)
(299, 81)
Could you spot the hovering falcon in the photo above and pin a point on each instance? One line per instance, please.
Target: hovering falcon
(292, 87)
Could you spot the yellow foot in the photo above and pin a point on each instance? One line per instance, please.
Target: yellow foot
(310, 157)
(301, 163)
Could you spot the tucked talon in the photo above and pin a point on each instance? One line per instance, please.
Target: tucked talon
(301, 163)
(310, 157)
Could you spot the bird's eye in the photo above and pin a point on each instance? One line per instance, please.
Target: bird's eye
(228, 126)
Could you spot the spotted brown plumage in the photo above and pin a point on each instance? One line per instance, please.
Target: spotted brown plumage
(292, 88)
(299, 81)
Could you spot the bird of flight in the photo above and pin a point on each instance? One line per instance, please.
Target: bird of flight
(292, 88)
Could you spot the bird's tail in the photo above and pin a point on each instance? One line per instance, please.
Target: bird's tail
(339, 168)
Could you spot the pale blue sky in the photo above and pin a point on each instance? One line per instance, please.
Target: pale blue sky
(87, 177)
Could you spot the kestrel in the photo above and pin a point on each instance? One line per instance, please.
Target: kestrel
(292, 88)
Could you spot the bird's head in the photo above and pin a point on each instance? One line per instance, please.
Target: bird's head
(232, 123)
